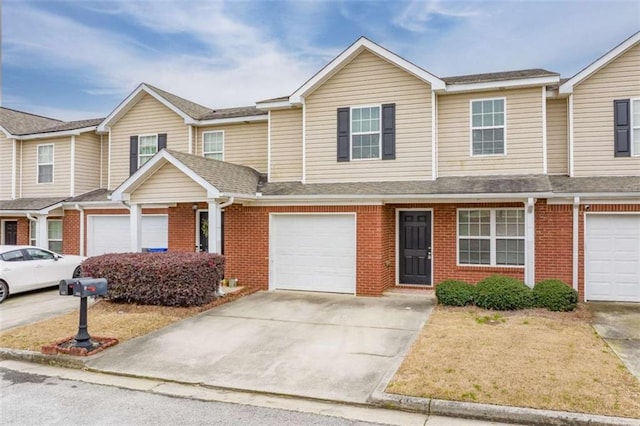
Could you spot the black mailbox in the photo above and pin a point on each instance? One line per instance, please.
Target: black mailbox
(66, 287)
(85, 287)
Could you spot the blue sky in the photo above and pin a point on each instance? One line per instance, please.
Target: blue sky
(78, 59)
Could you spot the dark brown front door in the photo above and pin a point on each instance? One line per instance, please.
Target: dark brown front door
(11, 233)
(415, 247)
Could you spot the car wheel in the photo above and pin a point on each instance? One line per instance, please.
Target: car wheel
(4, 291)
(77, 272)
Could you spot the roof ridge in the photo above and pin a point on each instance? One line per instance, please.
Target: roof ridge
(163, 92)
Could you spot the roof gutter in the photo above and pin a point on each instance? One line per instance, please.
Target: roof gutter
(74, 132)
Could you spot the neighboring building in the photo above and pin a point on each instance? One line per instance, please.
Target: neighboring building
(375, 173)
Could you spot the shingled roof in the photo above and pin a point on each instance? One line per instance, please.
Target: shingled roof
(200, 112)
(28, 204)
(20, 123)
(499, 76)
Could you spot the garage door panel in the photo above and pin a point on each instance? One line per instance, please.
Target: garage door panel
(111, 234)
(313, 252)
(612, 257)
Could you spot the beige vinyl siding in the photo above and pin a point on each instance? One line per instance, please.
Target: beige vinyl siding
(523, 134)
(557, 137)
(87, 164)
(6, 167)
(168, 184)
(244, 143)
(369, 80)
(104, 161)
(148, 116)
(286, 145)
(593, 117)
(61, 185)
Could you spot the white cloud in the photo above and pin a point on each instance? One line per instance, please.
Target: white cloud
(419, 15)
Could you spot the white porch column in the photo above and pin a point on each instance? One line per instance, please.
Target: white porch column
(135, 217)
(530, 243)
(42, 233)
(214, 226)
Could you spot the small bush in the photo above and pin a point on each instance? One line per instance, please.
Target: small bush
(167, 279)
(555, 295)
(503, 294)
(455, 293)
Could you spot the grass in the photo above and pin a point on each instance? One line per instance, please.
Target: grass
(107, 319)
(532, 358)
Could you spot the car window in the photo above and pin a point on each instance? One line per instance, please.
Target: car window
(38, 254)
(13, 256)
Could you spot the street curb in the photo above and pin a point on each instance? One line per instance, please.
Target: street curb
(39, 358)
(496, 413)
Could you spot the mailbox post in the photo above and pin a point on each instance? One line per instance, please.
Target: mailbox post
(83, 288)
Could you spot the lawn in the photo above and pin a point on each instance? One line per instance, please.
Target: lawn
(532, 358)
(106, 319)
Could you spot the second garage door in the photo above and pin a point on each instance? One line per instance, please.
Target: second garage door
(313, 252)
(612, 257)
(110, 234)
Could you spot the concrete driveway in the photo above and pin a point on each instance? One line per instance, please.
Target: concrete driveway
(619, 325)
(26, 308)
(324, 346)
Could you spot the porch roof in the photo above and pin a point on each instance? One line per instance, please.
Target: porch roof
(29, 204)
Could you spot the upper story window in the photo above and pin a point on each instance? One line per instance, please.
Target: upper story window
(213, 145)
(365, 132)
(488, 130)
(493, 237)
(45, 163)
(147, 148)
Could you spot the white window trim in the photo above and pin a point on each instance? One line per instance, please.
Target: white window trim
(139, 145)
(213, 152)
(52, 164)
(503, 127)
(351, 133)
(635, 127)
(33, 226)
(492, 237)
(61, 239)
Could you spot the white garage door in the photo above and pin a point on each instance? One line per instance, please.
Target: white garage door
(110, 234)
(612, 257)
(313, 252)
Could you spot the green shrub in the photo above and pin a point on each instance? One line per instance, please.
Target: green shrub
(555, 295)
(455, 293)
(503, 294)
(166, 279)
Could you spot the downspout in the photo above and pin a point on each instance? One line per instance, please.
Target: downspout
(226, 203)
(126, 206)
(530, 262)
(32, 219)
(576, 226)
(81, 210)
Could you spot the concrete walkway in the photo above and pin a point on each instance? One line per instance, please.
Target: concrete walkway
(619, 325)
(325, 346)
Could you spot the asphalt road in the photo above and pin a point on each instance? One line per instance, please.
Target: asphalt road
(32, 399)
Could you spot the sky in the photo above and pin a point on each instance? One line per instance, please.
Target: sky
(77, 59)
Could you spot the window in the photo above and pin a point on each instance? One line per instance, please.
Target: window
(365, 132)
(491, 237)
(32, 232)
(38, 254)
(213, 145)
(635, 126)
(147, 148)
(13, 256)
(45, 163)
(488, 127)
(54, 231)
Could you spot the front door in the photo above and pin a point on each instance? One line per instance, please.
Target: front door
(415, 247)
(11, 233)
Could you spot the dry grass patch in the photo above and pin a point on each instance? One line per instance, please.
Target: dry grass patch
(121, 321)
(532, 358)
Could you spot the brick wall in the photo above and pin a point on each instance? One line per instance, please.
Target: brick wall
(182, 227)
(71, 232)
(23, 231)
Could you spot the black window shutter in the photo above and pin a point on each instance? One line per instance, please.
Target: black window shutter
(162, 141)
(133, 154)
(343, 134)
(622, 128)
(389, 131)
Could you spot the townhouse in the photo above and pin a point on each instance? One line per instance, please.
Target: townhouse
(374, 173)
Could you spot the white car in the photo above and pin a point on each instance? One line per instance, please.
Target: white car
(24, 268)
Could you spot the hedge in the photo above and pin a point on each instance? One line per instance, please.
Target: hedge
(167, 279)
(503, 293)
(455, 293)
(555, 295)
